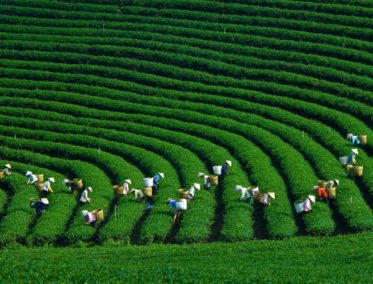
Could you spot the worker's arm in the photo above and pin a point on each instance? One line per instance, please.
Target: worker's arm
(242, 194)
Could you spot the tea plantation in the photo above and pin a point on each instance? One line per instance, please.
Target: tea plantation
(107, 90)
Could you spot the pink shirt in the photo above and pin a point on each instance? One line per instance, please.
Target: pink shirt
(90, 217)
(307, 205)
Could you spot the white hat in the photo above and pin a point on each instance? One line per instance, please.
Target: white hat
(349, 135)
(205, 176)
(89, 189)
(8, 166)
(84, 212)
(28, 173)
(161, 174)
(312, 198)
(197, 186)
(51, 179)
(200, 174)
(44, 200)
(65, 181)
(128, 181)
(336, 181)
(316, 187)
(355, 151)
(272, 195)
(229, 162)
(238, 187)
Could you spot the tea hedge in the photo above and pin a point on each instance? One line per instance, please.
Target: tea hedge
(109, 90)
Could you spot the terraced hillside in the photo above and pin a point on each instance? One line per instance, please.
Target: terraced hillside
(108, 90)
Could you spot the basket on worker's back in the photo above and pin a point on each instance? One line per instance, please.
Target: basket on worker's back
(214, 180)
(183, 193)
(40, 178)
(332, 192)
(78, 183)
(364, 139)
(358, 171)
(2, 175)
(217, 170)
(298, 207)
(148, 182)
(99, 214)
(118, 189)
(148, 191)
(343, 160)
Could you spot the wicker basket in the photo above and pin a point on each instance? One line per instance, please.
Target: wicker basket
(40, 178)
(78, 183)
(99, 214)
(148, 182)
(364, 139)
(332, 192)
(343, 160)
(118, 189)
(298, 207)
(217, 170)
(148, 191)
(358, 171)
(214, 180)
(183, 193)
(2, 175)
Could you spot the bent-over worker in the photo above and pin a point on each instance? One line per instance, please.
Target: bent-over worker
(206, 181)
(321, 193)
(192, 191)
(31, 178)
(156, 179)
(40, 206)
(355, 140)
(178, 207)
(47, 187)
(6, 170)
(90, 218)
(84, 197)
(267, 197)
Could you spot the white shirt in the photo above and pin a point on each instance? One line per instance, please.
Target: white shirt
(47, 184)
(32, 179)
(192, 190)
(244, 193)
(125, 188)
(84, 197)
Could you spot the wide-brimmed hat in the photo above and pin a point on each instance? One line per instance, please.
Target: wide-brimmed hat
(316, 187)
(355, 151)
(349, 135)
(197, 186)
(8, 166)
(161, 174)
(272, 195)
(336, 181)
(65, 181)
(312, 198)
(89, 189)
(84, 212)
(44, 200)
(229, 162)
(128, 181)
(28, 173)
(51, 179)
(200, 174)
(238, 187)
